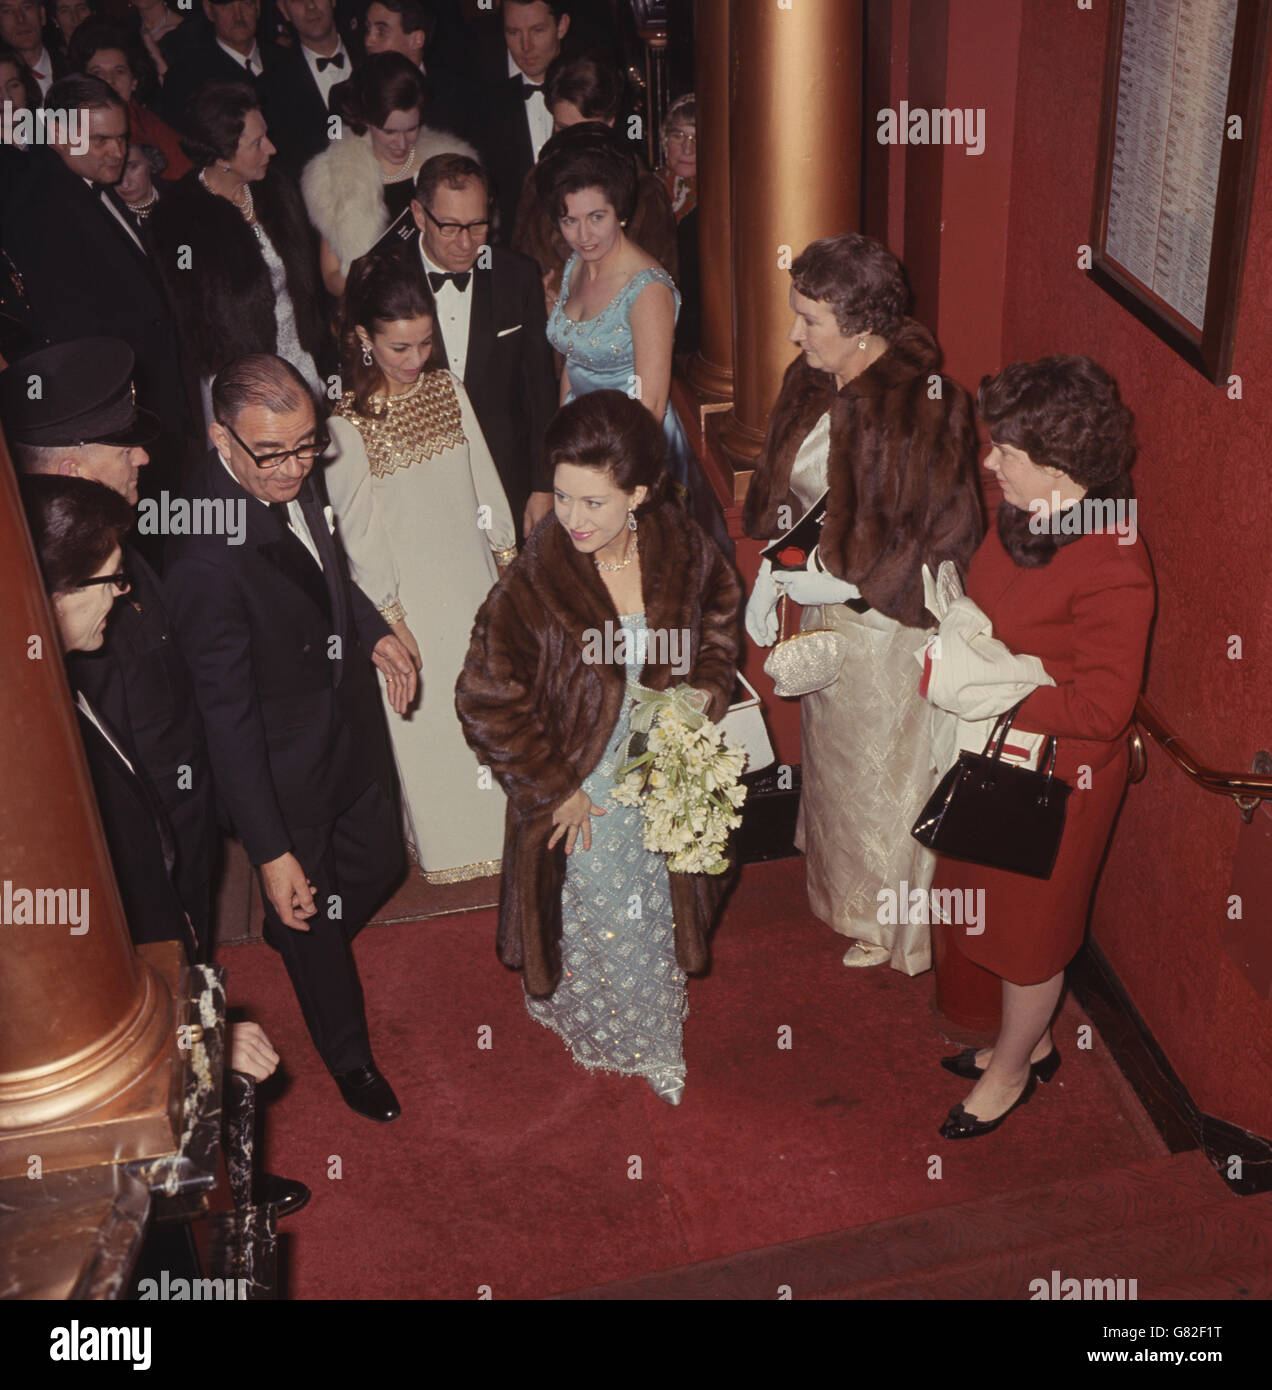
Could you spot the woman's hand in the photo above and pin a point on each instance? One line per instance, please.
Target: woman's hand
(398, 670)
(407, 639)
(572, 816)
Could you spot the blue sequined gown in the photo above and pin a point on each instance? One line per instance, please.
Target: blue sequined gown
(622, 1000)
(600, 354)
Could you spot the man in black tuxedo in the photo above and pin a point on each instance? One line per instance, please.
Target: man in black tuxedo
(406, 27)
(280, 644)
(491, 320)
(230, 53)
(518, 122)
(84, 424)
(298, 87)
(86, 269)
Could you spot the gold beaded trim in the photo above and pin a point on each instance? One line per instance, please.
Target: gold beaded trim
(484, 868)
(393, 612)
(505, 557)
(418, 424)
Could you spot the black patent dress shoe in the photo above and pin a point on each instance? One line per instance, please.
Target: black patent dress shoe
(964, 1064)
(962, 1124)
(285, 1195)
(367, 1092)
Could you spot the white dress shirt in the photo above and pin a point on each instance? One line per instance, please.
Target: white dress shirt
(537, 114)
(296, 522)
(120, 218)
(329, 76)
(91, 714)
(254, 57)
(42, 71)
(454, 315)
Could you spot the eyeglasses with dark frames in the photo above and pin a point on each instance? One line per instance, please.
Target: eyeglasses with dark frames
(450, 230)
(304, 453)
(120, 581)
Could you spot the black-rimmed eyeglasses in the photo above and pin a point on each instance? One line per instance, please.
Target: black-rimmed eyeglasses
(120, 581)
(304, 453)
(448, 231)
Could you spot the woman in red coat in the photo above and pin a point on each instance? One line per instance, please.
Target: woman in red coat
(1065, 578)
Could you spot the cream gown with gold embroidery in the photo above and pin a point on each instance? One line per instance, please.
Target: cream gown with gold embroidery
(422, 515)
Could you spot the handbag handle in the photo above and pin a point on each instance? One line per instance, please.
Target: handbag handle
(998, 736)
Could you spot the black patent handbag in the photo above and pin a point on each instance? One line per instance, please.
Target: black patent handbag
(995, 813)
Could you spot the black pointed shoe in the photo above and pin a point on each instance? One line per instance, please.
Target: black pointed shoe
(285, 1195)
(962, 1124)
(964, 1064)
(367, 1092)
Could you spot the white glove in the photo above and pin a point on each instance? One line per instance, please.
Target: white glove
(761, 607)
(813, 585)
(941, 593)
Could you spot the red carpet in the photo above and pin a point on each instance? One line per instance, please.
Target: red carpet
(513, 1168)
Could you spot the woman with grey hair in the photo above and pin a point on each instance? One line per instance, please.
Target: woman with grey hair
(866, 429)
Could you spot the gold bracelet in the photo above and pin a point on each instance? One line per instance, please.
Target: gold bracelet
(393, 613)
(506, 556)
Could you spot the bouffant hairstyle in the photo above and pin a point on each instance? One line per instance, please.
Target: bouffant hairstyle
(596, 88)
(96, 34)
(213, 120)
(1064, 412)
(75, 525)
(859, 278)
(380, 85)
(616, 435)
(587, 155)
(30, 87)
(383, 287)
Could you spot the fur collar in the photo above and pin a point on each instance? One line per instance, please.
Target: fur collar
(344, 194)
(1032, 549)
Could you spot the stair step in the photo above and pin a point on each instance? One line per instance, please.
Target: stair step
(977, 1240)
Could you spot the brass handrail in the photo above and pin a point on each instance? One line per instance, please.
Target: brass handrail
(1247, 789)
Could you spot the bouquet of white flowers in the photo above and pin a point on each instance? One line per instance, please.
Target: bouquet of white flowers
(684, 777)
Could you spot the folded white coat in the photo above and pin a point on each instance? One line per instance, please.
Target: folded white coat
(975, 678)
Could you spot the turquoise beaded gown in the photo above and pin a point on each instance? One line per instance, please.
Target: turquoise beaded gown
(600, 354)
(622, 1000)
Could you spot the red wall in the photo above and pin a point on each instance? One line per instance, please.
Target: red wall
(1205, 489)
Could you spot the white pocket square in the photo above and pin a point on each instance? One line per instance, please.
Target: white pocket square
(503, 332)
(331, 519)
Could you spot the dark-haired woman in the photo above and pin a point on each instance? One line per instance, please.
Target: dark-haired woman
(102, 48)
(1063, 576)
(138, 186)
(615, 319)
(602, 931)
(865, 418)
(358, 187)
(425, 522)
(232, 243)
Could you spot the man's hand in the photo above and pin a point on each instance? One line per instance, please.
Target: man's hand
(251, 1051)
(572, 816)
(398, 670)
(289, 891)
(539, 505)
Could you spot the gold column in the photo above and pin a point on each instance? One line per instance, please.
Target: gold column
(795, 149)
(711, 369)
(87, 1027)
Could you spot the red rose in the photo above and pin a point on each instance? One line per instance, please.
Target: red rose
(792, 557)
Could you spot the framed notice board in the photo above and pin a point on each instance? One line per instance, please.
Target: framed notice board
(1183, 92)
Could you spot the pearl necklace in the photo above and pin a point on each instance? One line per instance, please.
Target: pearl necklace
(402, 172)
(143, 210)
(622, 564)
(246, 207)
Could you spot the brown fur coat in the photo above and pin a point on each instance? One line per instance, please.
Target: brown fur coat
(540, 716)
(902, 472)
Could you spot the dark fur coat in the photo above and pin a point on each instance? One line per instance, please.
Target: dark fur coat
(540, 716)
(224, 302)
(902, 472)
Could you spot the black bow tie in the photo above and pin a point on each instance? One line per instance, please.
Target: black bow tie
(528, 89)
(437, 278)
(335, 61)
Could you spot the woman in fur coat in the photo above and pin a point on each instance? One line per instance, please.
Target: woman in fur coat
(603, 933)
(865, 419)
(234, 248)
(362, 184)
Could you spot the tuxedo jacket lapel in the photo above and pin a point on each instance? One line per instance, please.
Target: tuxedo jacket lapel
(315, 519)
(481, 325)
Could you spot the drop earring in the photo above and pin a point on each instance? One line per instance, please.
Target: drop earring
(366, 354)
(631, 519)
(861, 345)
